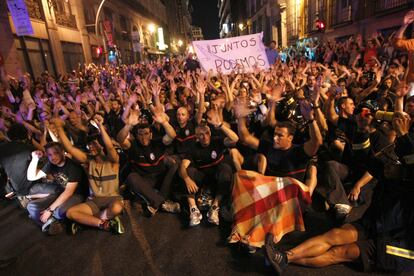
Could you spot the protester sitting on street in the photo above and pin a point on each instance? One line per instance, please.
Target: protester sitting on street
(289, 164)
(208, 165)
(380, 239)
(14, 160)
(104, 203)
(63, 189)
(151, 168)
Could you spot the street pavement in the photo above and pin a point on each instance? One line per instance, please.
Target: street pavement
(160, 245)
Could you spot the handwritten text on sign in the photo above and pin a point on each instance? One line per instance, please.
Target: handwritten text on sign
(228, 54)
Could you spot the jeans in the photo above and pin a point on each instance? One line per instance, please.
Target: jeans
(35, 207)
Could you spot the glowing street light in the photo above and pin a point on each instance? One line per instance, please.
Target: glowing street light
(180, 43)
(241, 26)
(151, 28)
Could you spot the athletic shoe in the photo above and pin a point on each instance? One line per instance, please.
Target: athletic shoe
(213, 215)
(342, 210)
(151, 210)
(247, 249)
(46, 225)
(23, 200)
(75, 228)
(55, 228)
(195, 217)
(276, 258)
(171, 207)
(115, 226)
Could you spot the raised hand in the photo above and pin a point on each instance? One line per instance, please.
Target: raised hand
(99, 120)
(57, 122)
(96, 85)
(402, 89)
(156, 87)
(159, 115)
(306, 110)
(315, 95)
(201, 85)
(276, 93)
(213, 117)
(409, 18)
(173, 85)
(132, 98)
(241, 109)
(401, 123)
(133, 118)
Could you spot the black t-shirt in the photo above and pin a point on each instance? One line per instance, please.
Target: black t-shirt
(360, 151)
(210, 156)
(185, 139)
(347, 126)
(114, 121)
(14, 159)
(69, 172)
(147, 159)
(291, 162)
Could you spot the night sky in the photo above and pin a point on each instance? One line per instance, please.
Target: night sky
(205, 15)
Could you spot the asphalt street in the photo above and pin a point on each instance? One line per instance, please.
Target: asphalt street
(161, 245)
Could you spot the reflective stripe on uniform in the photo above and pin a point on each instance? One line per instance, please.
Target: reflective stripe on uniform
(400, 252)
(361, 146)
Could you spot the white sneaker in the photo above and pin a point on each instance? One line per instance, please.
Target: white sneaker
(46, 225)
(213, 215)
(342, 210)
(195, 217)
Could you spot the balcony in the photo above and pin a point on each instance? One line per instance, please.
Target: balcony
(34, 9)
(67, 20)
(390, 6)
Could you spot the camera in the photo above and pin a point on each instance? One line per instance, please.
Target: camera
(381, 115)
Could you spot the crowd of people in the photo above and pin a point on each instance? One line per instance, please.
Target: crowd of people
(331, 117)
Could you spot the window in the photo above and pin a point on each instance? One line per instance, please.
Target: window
(73, 55)
(345, 4)
(90, 14)
(123, 23)
(35, 55)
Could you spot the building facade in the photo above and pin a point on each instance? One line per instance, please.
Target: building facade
(232, 18)
(344, 18)
(64, 34)
(179, 24)
(286, 21)
(196, 33)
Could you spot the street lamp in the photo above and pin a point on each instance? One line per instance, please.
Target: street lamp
(241, 26)
(180, 43)
(151, 28)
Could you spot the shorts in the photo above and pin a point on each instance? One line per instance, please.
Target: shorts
(98, 204)
(367, 248)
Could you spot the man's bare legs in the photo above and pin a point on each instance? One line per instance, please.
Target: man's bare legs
(335, 255)
(335, 246)
(83, 214)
